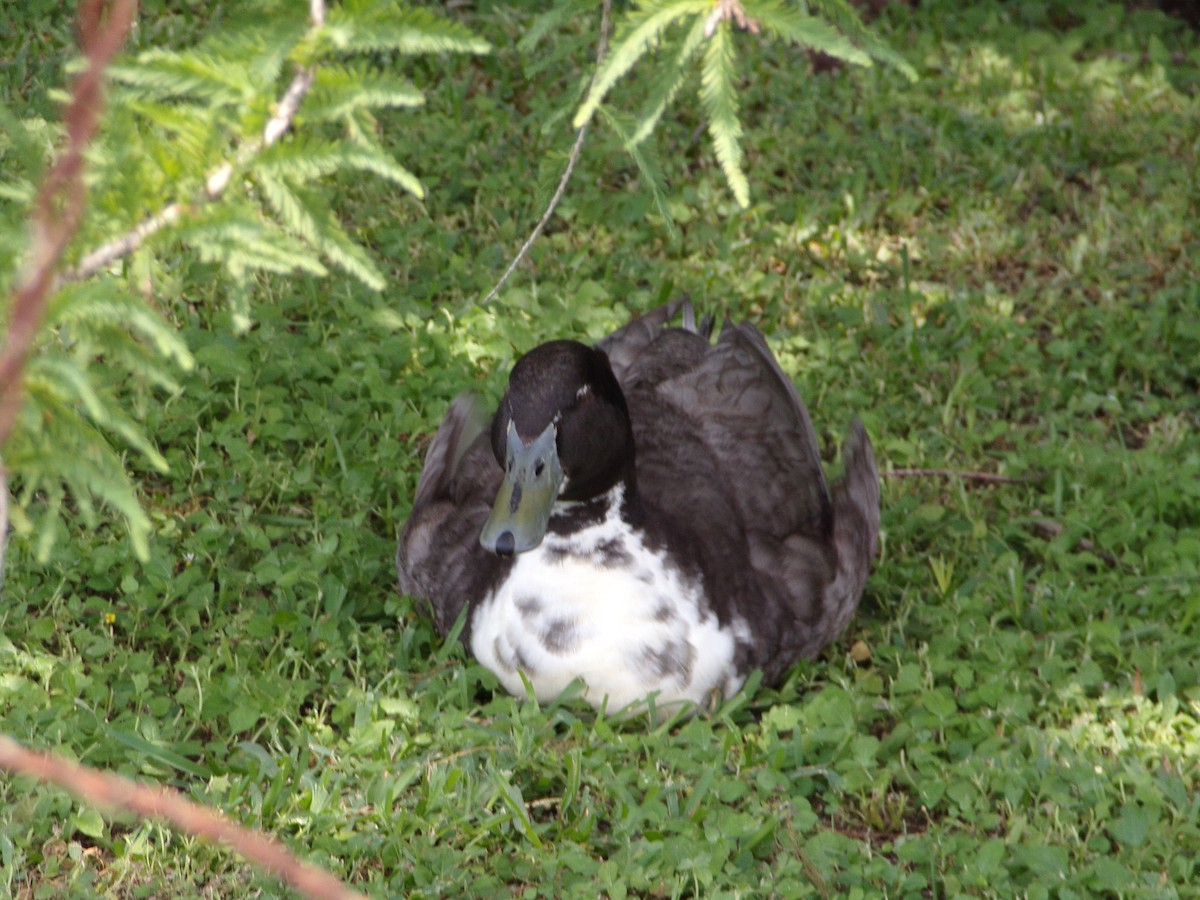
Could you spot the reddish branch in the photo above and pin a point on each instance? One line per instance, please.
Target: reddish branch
(157, 802)
(61, 198)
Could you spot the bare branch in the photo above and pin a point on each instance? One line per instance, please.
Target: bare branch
(107, 789)
(576, 149)
(217, 181)
(61, 199)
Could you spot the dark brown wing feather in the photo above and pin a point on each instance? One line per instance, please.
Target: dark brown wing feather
(439, 557)
(728, 457)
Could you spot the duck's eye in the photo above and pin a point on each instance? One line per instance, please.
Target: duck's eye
(539, 468)
(508, 467)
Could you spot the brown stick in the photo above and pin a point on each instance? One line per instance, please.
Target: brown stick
(158, 802)
(986, 477)
(61, 198)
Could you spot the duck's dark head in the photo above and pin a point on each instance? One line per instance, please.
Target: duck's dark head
(562, 432)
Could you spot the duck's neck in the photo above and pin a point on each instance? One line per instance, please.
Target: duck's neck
(621, 500)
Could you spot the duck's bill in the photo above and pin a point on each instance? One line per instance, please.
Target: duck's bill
(532, 479)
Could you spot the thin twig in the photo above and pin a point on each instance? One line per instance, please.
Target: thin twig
(216, 182)
(572, 159)
(986, 477)
(114, 791)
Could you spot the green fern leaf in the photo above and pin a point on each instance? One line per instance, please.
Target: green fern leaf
(343, 252)
(790, 24)
(668, 84)
(718, 95)
(308, 217)
(102, 304)
(51, 375)
(369, 157)
(645, 30)
(554, 18)
(847, 20)
(162, 74)
(54, 447)
(338, 91)
(646, 159)
(237, 239)
(301, 159)
(358, 28)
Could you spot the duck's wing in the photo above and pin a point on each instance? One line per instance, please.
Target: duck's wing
(753, 421)
(439, 559)
(807, 553)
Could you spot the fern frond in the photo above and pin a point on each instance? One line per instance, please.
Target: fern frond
(338, 91)
(718, 95)
(847, 20)
(102, 304)
(358, 28)
(555, 17)
(311, 220)
(646, 159)
(64, 382)
(56, 448)
(301, 159)
(162, 74)
(787, 22)
(369, 157)
(668, 84)
(238, 240)
(645, 30)
(17, 139)
(189, 127)
(263, 48)
(341, 250)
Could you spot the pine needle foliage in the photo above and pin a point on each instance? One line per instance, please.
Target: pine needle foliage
(177, 119)
(670, 37)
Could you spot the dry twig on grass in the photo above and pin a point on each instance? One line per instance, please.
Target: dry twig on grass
(112, 791)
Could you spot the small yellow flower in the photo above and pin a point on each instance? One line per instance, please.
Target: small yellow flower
(109, 618)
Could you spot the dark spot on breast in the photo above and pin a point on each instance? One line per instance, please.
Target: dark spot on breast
(612, 553)
(555, 552)
(561, 636)
(665, 610)
(674, 658)
(529, 606)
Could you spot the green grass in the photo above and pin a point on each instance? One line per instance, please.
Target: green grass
(997, 268)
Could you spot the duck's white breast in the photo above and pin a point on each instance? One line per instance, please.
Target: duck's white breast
(599, 606)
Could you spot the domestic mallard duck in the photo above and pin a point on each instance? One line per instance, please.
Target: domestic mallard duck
(648, 515)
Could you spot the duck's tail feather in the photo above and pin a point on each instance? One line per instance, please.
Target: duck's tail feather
(855, 526)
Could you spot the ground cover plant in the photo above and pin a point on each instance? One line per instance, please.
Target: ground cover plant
(996, 267)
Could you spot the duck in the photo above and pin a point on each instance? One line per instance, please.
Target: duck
(646, 519)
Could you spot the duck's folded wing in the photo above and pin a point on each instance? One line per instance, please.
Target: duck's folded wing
(464, 422)
(439, 558)
(751, 418)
